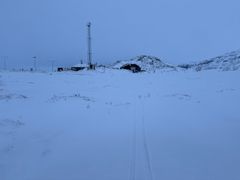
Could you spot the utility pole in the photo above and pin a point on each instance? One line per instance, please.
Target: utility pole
(52, 65)
(5, 58)
(81, 61)
(89, 46)
(4, 64)
(35, 63)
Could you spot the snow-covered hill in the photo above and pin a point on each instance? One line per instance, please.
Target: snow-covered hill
(147, 63)
(227, 62)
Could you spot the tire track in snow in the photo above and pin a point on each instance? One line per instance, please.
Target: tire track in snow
(132, 175)
(142, 132)
(146, 146)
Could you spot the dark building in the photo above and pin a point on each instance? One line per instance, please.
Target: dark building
(60, 69)
(132, 67)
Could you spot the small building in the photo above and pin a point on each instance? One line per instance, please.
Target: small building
(92, 66)
(79, 67)
(132, 67)
(60, 69)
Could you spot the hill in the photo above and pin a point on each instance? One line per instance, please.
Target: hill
(227, 62)
(147, 63)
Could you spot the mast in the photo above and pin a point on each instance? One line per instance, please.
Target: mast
(89, 45)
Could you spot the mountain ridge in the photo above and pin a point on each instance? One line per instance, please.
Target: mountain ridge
(227, 62)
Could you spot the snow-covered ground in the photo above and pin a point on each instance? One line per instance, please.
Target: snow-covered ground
(115, 125)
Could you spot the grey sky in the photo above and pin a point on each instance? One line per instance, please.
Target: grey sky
(175, 30)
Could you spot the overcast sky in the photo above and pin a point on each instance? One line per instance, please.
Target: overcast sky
(175, 30)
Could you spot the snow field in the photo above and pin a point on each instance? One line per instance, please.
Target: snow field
(119, 125)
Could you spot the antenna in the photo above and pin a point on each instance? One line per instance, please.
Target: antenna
(89, 46)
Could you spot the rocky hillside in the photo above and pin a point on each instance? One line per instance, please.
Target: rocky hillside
(147, 63)
(226, 62)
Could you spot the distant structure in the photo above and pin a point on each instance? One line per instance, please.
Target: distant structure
(60, 69)
(52, 62)
(89, 40)
(4, 64)
(4, 58)
(132, 67)
(35, 63)
(79, 67)
(89, 65)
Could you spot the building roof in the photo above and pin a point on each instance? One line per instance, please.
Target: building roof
(81, 65)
